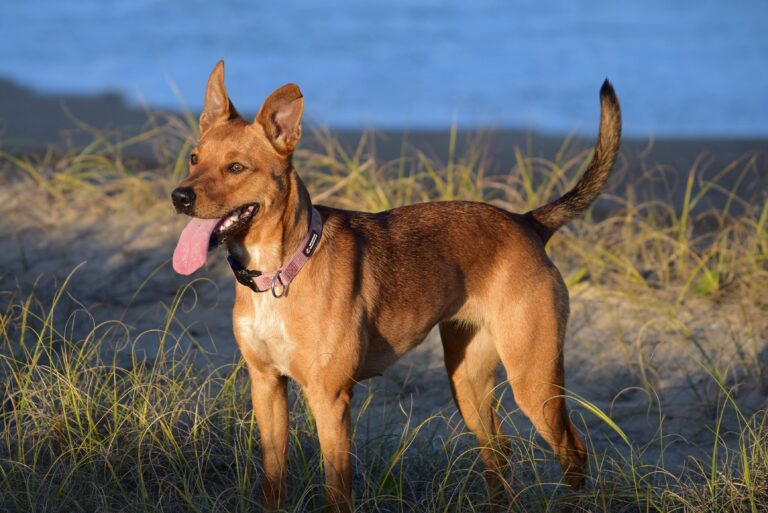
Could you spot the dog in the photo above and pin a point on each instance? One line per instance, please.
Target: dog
(328, 297)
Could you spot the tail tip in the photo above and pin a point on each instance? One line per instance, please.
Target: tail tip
(607, 92)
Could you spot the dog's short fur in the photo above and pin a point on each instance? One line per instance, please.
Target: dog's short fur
(378, 283)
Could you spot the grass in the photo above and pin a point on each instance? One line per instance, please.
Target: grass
(91, 421)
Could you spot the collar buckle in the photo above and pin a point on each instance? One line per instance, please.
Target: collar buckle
(242, 274)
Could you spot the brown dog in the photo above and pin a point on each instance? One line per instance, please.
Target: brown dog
(372, 286)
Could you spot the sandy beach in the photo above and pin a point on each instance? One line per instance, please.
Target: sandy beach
(624, 344)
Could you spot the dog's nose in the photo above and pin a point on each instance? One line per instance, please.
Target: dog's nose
(183, 198)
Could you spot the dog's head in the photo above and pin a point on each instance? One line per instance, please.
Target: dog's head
(237, 171)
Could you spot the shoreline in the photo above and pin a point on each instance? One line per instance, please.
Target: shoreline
(30, 118)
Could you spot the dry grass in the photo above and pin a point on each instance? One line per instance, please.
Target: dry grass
(668, 329)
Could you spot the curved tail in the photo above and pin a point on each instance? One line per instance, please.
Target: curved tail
(553, 215)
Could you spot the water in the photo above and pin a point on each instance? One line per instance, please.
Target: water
(681, 68)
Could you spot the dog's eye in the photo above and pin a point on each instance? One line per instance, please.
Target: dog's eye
(236, 167)
(193, 159)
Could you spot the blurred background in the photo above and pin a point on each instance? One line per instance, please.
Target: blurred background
(688, 68)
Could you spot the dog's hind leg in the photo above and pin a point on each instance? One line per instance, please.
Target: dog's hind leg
(472, 361)
(529, 338)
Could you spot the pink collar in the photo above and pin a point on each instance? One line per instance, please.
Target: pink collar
(277, 281)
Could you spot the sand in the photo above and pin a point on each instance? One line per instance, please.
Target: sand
(614, 345)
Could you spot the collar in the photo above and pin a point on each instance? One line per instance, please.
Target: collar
(277, 281)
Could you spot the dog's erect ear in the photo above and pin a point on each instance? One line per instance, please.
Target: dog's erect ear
(280, 116)
(218, 106)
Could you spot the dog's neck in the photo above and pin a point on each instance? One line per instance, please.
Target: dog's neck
(277, 230)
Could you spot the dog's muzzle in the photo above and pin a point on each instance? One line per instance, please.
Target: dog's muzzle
(183, 199)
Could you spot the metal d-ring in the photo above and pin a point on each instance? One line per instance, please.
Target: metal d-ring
(275, 280)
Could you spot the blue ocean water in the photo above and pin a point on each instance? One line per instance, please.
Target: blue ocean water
(681, 68)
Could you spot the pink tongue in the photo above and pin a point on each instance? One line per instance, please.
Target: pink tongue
(192, 248)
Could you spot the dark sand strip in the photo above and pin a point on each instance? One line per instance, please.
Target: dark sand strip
(31, 122)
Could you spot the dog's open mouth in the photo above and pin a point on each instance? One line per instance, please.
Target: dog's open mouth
(231, 224)
(202, 235)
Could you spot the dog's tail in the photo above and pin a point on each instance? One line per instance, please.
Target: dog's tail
(553, 215)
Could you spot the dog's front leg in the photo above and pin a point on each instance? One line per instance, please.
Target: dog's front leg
(330, 407)
(270, 406)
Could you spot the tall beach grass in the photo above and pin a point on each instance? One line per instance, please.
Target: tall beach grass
(91, 423)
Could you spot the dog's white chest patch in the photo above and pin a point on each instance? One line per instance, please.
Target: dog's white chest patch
(264, 331)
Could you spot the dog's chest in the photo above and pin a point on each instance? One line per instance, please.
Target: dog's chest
(262, 328)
